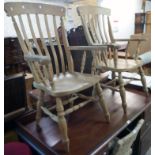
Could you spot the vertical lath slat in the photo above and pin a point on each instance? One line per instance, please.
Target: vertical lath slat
(93, 67)
(66, 45)
(35, 65)
(35, 74)
(59, 45)
(106, 36)
(90, 23)
(110, 30)
(38, 48)
(99, 26)
(104, 57)
(95, 25)
(48, 73)
(98, 36)
(24, 34)
(41, 35)
(115, 53)
(52, 46)
(31, 65)
(104, 29)
(88, 36)
(103, 52)
(83, 61)
(33, 34)
(24, 48)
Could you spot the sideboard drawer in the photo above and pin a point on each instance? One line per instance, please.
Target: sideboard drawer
(145, 141)
(147, 118)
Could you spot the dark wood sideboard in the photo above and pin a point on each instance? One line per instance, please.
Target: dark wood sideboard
(89, 133)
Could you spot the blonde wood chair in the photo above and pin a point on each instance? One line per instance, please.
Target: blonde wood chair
(123, 146)
(52, 74)
(98, 31)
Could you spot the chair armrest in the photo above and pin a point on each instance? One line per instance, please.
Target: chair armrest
(38, 58)
(136, 39)
(145, 57)
(93, 47)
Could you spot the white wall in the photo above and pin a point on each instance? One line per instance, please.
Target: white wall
(123, 15)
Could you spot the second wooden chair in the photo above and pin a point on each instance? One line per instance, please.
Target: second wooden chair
(98, 31)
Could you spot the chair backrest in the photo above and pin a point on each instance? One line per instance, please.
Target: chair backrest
(144, 46)
(98, 31)
(35, 19)
(96, 24)
(123, 146)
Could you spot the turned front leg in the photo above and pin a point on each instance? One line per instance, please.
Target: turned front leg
(62, 122)
(122, 92)
(99, 92)
(143, 80)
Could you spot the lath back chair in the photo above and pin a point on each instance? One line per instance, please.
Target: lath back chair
(52, 73)
(98, 31)
(123, 146)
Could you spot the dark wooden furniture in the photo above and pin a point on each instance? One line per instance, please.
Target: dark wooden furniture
(14, 96)
(87, 131)
(139, 22)
(13, 57)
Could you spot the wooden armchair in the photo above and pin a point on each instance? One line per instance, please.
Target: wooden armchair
(98, 31)
(123, 146)
(52, 74)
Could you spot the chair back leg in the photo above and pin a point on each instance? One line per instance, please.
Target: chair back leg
(122, 92)
(39, 111)
(99, 92)
(143, 80)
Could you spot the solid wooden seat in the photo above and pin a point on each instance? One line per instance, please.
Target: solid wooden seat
(98, 31)
(123, 65)
(53, 71)
(69, 83)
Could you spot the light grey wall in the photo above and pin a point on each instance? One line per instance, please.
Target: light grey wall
(123, 15)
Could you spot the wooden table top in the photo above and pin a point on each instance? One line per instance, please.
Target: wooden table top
(88, 131)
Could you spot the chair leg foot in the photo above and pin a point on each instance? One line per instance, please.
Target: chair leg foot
(124, 105)
(107, 116)
(122, 93)
(102, 103)
(67, 146)
(38, 128)
(143, 80)
(62, 123)
(39, 112)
